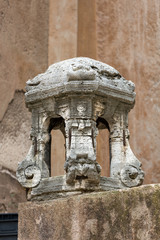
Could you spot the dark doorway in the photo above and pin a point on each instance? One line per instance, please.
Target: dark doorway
(8, 226)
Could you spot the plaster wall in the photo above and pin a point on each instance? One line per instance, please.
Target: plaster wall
(128, 38)
(23, 54)
(62, 36)
(24, 45)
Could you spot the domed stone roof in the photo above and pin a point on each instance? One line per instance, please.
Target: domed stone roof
(80, 74)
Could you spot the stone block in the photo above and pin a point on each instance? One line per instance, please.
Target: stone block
(131, 214)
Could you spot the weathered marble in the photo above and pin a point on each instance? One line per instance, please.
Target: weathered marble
(79, 96)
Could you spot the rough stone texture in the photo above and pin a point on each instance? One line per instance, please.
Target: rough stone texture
(14, 132)
(14, 143)
(11, 193)
(79, 96)
(24, 45)
(128, 38)
(131, 214)
(66, 76)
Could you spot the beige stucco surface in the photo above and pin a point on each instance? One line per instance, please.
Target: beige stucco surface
(11, 192)
(14, 130)
(128, 38)
(119, 215)
(23, 54)
(24, 45)
(62, 30)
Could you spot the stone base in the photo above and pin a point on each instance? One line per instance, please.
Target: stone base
(114, 215)
(56, 187)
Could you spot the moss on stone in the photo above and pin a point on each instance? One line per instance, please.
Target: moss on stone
(131, 214)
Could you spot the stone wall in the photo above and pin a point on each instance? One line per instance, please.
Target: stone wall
(122, 33)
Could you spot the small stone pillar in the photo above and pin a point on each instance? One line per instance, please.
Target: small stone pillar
(79, 96)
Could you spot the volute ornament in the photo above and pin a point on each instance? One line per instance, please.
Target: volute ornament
(132, 176)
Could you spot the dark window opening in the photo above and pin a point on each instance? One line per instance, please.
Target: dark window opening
(8, 226)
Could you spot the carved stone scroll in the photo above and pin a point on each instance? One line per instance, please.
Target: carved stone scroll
(79, 96)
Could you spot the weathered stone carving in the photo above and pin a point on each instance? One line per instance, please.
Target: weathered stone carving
(79, 96)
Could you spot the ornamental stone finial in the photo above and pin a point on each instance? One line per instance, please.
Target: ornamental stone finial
(78, 96)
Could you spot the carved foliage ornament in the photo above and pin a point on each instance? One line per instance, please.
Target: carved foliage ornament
(78, 96)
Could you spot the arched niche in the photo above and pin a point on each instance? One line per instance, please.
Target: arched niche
(55, 147)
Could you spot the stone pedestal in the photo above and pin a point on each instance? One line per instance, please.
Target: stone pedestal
(132, 214)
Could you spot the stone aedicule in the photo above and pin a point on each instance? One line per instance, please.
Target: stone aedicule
(79, 96)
